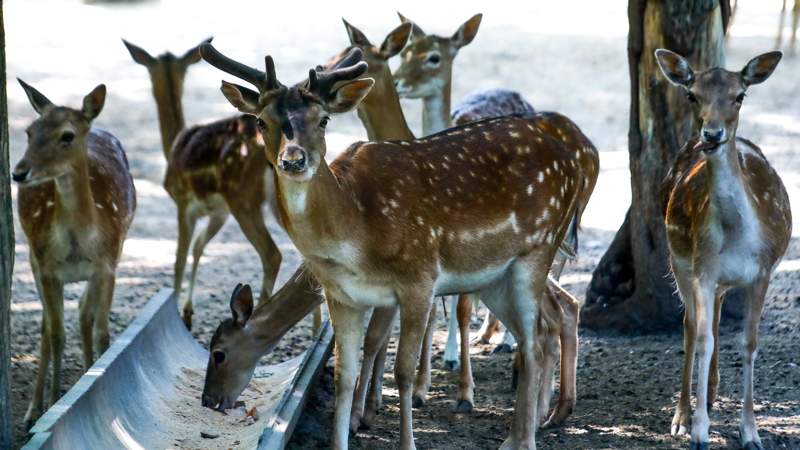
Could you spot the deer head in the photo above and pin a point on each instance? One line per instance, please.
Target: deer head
(57, 138)
(715, 94)
(299, 114)
(167, 71)
(232, 358)
(427, 61)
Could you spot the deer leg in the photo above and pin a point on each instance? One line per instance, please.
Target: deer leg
(570, 309)
(378, 330)
(683, 411)
(375, 394)
(507, 344)
(704, 344)
(795, 20)
(85, 321)
(348, 331)
(466, 386)
(415, 313)
(36, 405)
(780, 26)
(713, 376)
(423, 379)
(186, 224)
(549, 350)
(451, 347)
(748, 430)
(215, 223)
(251, 222)
(53, 299)
(102, 287)
(488, 328)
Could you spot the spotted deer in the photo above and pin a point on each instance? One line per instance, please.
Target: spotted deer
(382, 107)
(76, 202)
(213, 170)
(426, 72)
(375, 234)
(728, 223)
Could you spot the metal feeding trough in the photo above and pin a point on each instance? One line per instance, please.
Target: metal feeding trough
(144, 393)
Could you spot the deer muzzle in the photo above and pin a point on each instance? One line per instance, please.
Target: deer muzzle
(293, 160)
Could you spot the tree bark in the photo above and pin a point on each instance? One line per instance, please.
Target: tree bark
(6, 254)
(632, 289)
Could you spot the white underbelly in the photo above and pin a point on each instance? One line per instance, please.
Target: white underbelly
(356, 291)
(464, 282)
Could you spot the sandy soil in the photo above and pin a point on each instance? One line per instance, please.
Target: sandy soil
(560, 60)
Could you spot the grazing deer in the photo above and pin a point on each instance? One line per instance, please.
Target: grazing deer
(382, 107)
(375, 234)
(213, 170)
(728, 223)
(76, 201)
(795, 20)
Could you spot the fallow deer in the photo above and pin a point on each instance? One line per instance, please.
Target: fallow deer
(375, 234)
(728, 223)
(76, 202)
(426, 72)
(213, 170)
(795, 21)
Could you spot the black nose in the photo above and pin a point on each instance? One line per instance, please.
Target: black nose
(19, 177)
(294, 165)
(712, 135)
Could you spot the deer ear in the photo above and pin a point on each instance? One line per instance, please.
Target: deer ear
(39, 102)
(675, 67)
(93, 102)
(395, 41)
(355, 35)
(416, 31)
(192, 55)
(242, 303)
(466, 32)
(139, 54)
(242, 98)
(760, 68)
(349, 95)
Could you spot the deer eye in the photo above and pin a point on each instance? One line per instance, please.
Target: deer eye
(691, 97)
(67, 137)
(219, 356)
(261, 124)
(433, 59)
(740, 98)
(324, 122)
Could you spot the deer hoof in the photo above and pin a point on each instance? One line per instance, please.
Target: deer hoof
(417, 401)
(753, 445)
(451, 365)
(502, 348)
(463, 407)
(187, 319)
(698, 446)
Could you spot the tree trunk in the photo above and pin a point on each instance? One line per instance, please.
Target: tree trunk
(632, 288)
(6, 253)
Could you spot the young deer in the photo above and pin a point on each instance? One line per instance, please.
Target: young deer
(728, 223)
(382, 106)
(76, 201)
(427, 244)
(213, 170)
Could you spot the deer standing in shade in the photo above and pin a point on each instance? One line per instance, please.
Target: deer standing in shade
(728, 223)
(76, 202)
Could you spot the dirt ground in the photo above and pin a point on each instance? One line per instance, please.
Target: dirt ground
(560, 60)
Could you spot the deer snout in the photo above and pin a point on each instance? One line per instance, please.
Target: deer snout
(713, 135)
(293, 159)
(21, 172)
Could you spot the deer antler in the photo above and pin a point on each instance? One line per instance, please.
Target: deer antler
(321, 81)
(265, 81)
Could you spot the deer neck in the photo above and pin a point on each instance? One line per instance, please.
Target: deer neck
(382, 115)
(316, 212)
(728, 195)
(170, 112)
(74, 199)
(436, 111)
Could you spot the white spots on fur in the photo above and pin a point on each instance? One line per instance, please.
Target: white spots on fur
(553, 201)
(555, 165)
(420, 221)
(472, 174)
(114, 207)
(98, 206)
(540, 177)
(547, 171)
(393, 204)
(530, 189)
(539, 140)
(48, 204)
(37, 213)
(514, 134)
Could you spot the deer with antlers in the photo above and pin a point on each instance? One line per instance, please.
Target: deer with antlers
(76, 202)
(213, 170)
(428, 244)
(728, 223)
